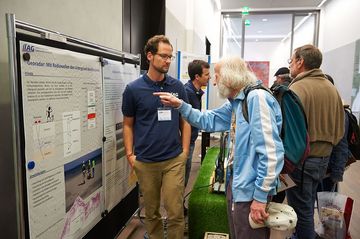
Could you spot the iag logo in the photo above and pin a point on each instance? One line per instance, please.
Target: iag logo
(175, 94)
(28, 48)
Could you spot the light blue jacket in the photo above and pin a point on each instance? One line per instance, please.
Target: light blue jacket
(259, 152)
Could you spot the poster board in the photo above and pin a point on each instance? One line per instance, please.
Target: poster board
(61, 103)
(62, 110)
(117, 170)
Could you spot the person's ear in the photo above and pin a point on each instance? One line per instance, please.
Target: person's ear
(149, 56)
(300, 62)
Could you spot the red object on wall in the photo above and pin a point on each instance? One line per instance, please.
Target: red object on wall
(261, 70)
(91, 116)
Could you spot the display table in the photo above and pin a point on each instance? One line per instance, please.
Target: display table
(207, 211)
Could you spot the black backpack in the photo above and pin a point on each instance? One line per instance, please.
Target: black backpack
(294, 132)
(353, 136)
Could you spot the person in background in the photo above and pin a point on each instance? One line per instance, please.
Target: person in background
(338, 158)
(325, 119)
(157, 140)
(83, 169)
(89, 169)
(282, 77)
(199, 72)
(256, 154)
(93, 168)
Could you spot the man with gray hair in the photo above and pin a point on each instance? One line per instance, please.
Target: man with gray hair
(256, 154)
(325, 119)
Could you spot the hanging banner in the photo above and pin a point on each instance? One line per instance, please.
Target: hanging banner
(117, 170)
(63, 126)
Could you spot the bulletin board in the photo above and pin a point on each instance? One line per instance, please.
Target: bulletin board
(68, 98)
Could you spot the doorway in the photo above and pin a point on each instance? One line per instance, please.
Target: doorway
(267, 39)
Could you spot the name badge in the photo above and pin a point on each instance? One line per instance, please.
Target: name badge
(164, 114)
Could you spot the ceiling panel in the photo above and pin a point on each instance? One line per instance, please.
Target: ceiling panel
(237, 4)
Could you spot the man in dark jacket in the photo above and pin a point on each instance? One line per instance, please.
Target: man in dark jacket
(325, 119)
(199, 73)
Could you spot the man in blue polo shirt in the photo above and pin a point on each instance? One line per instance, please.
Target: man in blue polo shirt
(157, 140)
(199, 73)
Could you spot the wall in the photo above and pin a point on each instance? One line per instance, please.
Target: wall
(339, 30)
(339, 22)
(84, 19)
(189, 22)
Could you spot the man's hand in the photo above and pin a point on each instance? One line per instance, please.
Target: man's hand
(258, 212)
(168, 99)
(131, 160)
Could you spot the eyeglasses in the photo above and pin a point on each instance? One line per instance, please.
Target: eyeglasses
(166, 57)
(291, 60)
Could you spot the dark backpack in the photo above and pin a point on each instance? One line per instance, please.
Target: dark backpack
(294, 132)
(353, 136)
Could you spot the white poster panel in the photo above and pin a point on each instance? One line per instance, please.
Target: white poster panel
(117, 170)
(63, 118)
(185, 59)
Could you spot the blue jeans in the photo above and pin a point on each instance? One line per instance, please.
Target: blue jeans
(302, 197)
(188, 163)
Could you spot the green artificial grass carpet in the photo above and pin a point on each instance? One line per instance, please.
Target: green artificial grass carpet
(207, 211)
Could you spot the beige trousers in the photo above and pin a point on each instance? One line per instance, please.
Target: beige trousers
(167, 179)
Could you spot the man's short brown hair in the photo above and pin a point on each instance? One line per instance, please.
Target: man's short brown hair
(310, 54)
(196, 68)
(152, 44)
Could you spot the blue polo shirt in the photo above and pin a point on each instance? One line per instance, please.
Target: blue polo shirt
(194, 96)
(154, 140)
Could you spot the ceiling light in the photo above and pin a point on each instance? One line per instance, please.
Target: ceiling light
(264, 19)
(322, 3)
(259, 31)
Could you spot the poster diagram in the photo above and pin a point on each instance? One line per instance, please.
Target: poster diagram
(63, 126)
(117, 170)
(71, 132)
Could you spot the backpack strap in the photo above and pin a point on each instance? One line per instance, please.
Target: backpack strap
(247, 90)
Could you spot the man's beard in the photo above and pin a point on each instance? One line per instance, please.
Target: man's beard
(161, 70)
(223, 91)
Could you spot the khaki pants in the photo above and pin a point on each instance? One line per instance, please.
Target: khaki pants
(165, 177)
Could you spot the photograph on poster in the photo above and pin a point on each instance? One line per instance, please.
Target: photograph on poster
(83, 176)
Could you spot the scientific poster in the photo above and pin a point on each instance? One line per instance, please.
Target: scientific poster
(63, 126)
(117, 170)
